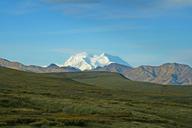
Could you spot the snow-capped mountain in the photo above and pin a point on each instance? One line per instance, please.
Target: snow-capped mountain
(84, 61)
(169, 73)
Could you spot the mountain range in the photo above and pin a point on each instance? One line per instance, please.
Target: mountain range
(169, 73)
(84, 61)
(37, 69)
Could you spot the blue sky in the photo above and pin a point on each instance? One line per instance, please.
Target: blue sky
(143, 32)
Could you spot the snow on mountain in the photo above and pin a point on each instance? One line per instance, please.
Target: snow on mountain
(80, 61)
(84, 61)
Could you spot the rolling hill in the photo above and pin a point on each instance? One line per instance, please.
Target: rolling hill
(90, 100)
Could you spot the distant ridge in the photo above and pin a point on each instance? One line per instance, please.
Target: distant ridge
(169, 73)
(33, 68)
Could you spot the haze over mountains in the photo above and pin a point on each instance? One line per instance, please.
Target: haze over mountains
(170, 73)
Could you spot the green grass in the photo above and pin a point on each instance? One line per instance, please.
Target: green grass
(90, 100)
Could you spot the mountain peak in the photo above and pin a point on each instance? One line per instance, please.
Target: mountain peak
(114, 59)
(53, 66)
(84, 61)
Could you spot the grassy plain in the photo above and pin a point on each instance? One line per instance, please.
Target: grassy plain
(90, 100)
